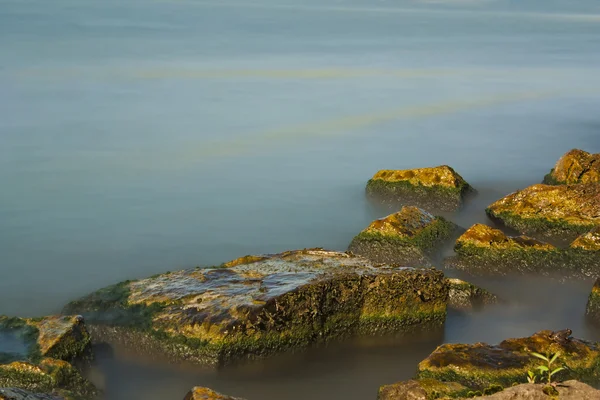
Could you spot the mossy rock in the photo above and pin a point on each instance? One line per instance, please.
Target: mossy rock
(407, 237)
(486, 251)
(204, 393)
(37, 351)
(422, 389)
(568, 390)
(264, 305)
(550, 211)
(481, 366)
(465, 296)
(437, 188)
(589, 241)
(576, 166)
(21, 394)
(592, 310)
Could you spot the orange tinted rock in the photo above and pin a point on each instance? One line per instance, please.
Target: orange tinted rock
(203, 393)
(576, 166)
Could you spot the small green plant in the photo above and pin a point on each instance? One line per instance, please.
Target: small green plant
(545, 371)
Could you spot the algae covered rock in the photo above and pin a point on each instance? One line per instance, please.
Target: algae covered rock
(466, 296)
(564, 211)
(576, 166)
(35, 354)
(569, 390)
(482, 367)
(592, 309)
(404, 238)
(263, 305)
(485, 250)
(20, 394)
(203, 393)
(589, 241)
(432, 188)
(422, 389)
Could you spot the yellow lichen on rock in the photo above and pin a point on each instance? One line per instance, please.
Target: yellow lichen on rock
(408, 222)
(203, 393)
(434, 176)
(481, 235)
(588, 241)
(576, 166)
(58, 332)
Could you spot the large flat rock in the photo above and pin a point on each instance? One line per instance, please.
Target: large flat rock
(259, 305)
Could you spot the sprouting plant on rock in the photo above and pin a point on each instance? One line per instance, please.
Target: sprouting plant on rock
(545, 371)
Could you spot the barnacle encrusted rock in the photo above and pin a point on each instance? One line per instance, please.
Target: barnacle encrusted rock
(564, 210)
(431, 188)
(404, 238)
(259, 306)
(466, 296)
(35, 354)
(485, 250)
(203, 393)
(576, 166)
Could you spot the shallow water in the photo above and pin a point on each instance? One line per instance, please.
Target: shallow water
(144, 136)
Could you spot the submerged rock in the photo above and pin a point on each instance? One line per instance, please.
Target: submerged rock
(481, 367)
(569, 390)
(432, 188)
(485, 250)
(20, 394)
(37, 352)
(466, 296)
(592, 309)
(404, 238)
(563, 211)
(576, 166)
(203, 393)
(260, 306)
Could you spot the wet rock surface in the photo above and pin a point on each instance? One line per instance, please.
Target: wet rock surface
(485, 250)
(257, 306)
(20, 394)
(569, 390)
(405, 238)
(436, 188)
(481, 367)
(564, 211)
(203, 393)
(576, 166)
(35, 354)
(422, 389)
(465, 296)
(592, 309)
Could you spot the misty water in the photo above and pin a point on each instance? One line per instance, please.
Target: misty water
(143, 136)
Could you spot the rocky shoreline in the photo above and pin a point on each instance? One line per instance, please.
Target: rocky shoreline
(260, 305)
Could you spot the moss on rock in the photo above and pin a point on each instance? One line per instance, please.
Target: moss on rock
(404, 238)
(563, 211)
(466, 296)
(432, 188)
(203, 393)
(484, 250)
(481, 366)
(576, 166)
(272, 303)
(422, 389)
(592, 310)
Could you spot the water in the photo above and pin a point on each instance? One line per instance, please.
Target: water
(144, 136)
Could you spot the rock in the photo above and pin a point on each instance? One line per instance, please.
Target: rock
(576, 166)
(438, 188)
(485, 250)
(20, 394)
(405, 238)
(589, 241)
(592, 309)
(263, 305)
(202, 393)
(466, 296)
(37, 352)
(423, 389)
(550, 211)
(569, 390)
(482, 367)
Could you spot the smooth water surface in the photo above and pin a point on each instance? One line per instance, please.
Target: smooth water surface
(144, 136)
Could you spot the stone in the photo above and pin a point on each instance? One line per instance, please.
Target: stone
(423, 389)
(569, 390)
(465, 296)
(576, 166)
(203, 393)
(404, 238)
(437, 188)
(263, 305)
(592, 309)
(488, 368)
(36, 354)
(20, 394)
(550, 211)
(589, 241)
